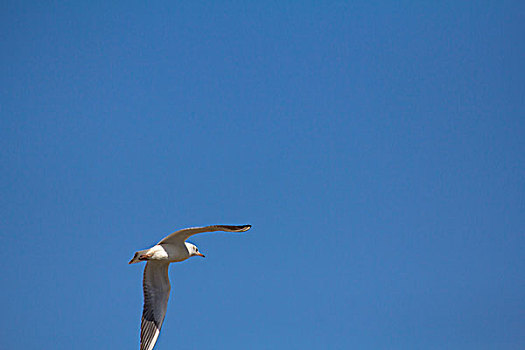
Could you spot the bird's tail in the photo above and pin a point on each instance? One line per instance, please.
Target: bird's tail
(137, 257)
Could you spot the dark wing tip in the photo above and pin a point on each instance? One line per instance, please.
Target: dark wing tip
(149, 332)
(240, 228)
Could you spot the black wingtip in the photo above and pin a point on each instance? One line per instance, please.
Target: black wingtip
(240, 228)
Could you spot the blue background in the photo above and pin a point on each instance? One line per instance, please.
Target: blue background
(377, 148)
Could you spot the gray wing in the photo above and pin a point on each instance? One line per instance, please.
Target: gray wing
(156, 293)
(182, 235)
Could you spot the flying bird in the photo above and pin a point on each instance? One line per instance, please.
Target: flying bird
(172, 248)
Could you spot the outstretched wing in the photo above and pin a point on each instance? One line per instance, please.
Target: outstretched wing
(156, 293)
(182, 235)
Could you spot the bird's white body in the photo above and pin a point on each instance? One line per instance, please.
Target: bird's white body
(165, 252)
(172, 248)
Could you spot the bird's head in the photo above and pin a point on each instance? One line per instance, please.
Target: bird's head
(193, 250)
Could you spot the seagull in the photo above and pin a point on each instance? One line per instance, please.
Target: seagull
(172, 248)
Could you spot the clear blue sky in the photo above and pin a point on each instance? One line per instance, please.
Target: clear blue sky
(377, 148)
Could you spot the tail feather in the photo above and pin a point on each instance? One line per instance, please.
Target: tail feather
(135, 258)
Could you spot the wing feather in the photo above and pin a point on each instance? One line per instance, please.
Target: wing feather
(156, 294)
(182, 235)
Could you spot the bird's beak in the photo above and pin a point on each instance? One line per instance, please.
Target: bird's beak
(200, 254)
